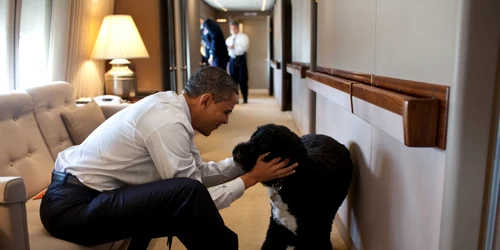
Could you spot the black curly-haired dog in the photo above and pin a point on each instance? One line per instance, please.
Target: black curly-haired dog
(304, 204)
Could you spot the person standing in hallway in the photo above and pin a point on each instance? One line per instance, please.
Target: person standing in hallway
(237, 45)
(214, 39)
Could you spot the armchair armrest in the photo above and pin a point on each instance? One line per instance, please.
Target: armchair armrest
(12, 190)
(110, 109)
(13, 221)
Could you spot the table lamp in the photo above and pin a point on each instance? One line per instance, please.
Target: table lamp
(119, 40)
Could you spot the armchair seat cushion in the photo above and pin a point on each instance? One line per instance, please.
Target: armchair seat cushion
(40, 238)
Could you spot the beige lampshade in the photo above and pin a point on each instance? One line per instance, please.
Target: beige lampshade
(119, 39)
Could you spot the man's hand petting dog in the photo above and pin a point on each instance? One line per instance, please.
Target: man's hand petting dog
(266, 171)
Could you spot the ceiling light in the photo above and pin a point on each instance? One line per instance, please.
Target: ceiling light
(263, 5)
(216, 2)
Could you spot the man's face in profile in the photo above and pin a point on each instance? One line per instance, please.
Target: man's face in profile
(234, 29)
(215, 114)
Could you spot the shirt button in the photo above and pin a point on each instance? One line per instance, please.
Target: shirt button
(29, 154)
(11, 163)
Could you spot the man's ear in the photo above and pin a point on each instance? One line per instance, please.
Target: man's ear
(205, 100)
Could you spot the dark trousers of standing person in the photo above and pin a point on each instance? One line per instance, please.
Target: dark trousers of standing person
(239, 71)
(180, 207)
(220, 62)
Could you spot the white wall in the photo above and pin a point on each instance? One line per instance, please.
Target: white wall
(401, 197)
(277, 31)
(301, 52)
(301, 101)
(396, 196)
(301, 31)
(277, 85)
(471, 126)
(277, 51)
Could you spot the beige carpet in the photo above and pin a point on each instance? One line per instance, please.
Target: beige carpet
(248, 216)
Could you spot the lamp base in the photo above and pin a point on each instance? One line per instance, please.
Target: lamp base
(120, 80)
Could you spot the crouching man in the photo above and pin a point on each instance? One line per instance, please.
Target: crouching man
(139, 175)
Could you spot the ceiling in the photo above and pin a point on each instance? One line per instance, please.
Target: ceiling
(241, 5)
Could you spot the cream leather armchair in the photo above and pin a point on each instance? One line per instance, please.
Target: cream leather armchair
(32, 133)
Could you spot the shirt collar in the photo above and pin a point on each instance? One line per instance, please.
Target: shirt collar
(182, 98)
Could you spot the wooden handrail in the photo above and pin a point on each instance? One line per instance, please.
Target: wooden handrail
(275, 64)
(411, 88)
(422, 115)
(355, 76)
(301, 67)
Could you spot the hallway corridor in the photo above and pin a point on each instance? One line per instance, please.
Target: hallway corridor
(248, 216)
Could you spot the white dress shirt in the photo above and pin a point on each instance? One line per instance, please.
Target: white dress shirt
(240, 42)
(148, 141)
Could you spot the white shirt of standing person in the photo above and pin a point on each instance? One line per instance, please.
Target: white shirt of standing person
(237, 44)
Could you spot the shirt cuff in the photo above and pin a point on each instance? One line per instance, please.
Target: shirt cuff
(225, 194)
(238, 188)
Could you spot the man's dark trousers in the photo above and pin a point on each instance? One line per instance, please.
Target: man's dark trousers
(239, 71)
(175, 207)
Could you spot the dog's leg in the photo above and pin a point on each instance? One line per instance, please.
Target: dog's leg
(312, 235)
(277, 237)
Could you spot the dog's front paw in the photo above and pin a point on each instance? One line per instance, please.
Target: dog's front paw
(273, 246)
(312, 245)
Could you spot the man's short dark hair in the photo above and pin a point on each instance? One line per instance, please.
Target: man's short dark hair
(235, 23)
(211, 80)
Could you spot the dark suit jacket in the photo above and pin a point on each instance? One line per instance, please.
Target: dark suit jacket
(215, 41)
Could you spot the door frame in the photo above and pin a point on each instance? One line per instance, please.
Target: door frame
(168, 46)
(270, 55)
(286, 54)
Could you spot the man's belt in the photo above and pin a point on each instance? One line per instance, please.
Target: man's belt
(240, 56)
(65, 178)
(239, 60)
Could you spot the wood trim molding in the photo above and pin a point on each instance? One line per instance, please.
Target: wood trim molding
(344, 233)
(421, 113)
(355, 76)
(424, 90)
(275, 64)
(301, 67)
(407, 87)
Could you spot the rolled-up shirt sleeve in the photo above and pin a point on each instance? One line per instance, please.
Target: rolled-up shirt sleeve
(225, 194)
(175, 156)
